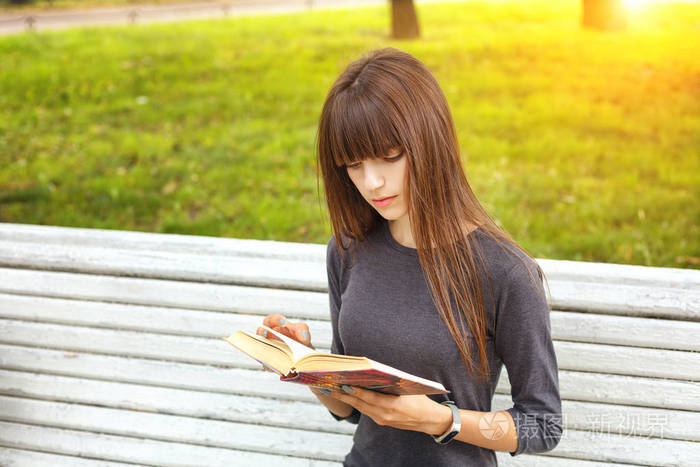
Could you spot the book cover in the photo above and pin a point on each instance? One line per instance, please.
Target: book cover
(296, 363)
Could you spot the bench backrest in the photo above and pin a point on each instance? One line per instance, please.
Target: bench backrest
(110, 349)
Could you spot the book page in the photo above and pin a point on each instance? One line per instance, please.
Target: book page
(329, 361)
(407, 376)
(298, 349)
(273, 354)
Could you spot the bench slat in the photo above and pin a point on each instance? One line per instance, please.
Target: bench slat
(633, 361)
(261, 272)
(21, 458)
(626, 330)
(557, 270)
(148, 241)
(157, 292)
(593, 417)
(629, 300)
(202, 350)
(579, 386)
(624, 274)
(127, 449)
(580, 327)
(194, 323)
(624, 420)
(528, 460)
(151, 372)
(638, 450)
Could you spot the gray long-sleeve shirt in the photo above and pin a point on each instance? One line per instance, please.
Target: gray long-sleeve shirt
(382, 308)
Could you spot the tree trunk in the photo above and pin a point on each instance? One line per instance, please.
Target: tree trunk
(608, 15)
(404, 22)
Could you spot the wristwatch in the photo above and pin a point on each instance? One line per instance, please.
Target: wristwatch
(452, 431)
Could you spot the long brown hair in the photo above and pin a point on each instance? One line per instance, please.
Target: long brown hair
(388, 99)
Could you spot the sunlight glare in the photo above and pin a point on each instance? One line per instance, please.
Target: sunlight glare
(636, 5)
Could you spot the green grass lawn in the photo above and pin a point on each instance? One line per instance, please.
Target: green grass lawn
(583, 145)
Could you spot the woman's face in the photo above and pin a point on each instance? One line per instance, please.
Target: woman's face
(382, 183)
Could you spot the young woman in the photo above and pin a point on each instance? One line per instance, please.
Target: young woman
(422, 279)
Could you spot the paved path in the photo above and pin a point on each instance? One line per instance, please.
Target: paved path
(12, 23)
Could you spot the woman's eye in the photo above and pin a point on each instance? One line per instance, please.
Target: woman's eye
(390, 159)
(394, 158)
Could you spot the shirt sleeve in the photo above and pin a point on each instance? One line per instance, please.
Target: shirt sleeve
(332, 268)
(524, 343)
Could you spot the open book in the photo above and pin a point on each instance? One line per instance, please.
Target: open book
(298, 363)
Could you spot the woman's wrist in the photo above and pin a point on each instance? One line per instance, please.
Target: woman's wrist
(440, 420)
(341, 409)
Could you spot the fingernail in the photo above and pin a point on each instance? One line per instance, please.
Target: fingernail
(348, 389)
(283, 321)
(325, 391)
(305, 334)
(265, 333)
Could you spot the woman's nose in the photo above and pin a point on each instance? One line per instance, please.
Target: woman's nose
(373, 179)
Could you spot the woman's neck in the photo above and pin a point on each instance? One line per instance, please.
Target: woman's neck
(401, 231)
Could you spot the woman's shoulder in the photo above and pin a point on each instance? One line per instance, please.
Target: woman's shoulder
(502, 258)
(333, 256)
(349, 245)
(331, 250)
(332, 244)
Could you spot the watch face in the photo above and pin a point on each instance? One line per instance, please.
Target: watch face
(449, 437)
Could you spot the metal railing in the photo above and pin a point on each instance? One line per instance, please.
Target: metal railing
(34, 20)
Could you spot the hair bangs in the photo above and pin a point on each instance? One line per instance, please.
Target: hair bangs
(359, 129)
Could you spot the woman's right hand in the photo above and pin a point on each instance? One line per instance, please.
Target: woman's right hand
(298, 331)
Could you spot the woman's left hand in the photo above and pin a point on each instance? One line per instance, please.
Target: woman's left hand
(416, 412)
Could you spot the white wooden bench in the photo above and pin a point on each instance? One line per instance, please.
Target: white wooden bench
(110, 355)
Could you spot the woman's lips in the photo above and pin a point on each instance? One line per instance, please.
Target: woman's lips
(384, 201)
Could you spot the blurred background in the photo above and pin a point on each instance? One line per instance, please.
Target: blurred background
(581, 140)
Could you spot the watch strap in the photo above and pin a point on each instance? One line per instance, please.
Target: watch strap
(453, 430)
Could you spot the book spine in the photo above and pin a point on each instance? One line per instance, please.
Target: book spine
(303, 378)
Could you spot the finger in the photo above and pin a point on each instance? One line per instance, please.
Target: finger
(357, 403)
(271, 335)
(372, 397)
(274, 319)
(285, 330)
(268, 335)
(356, 392)
(300, 332)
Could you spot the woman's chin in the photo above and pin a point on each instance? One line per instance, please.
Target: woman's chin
(388, 216)
(390, 213)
